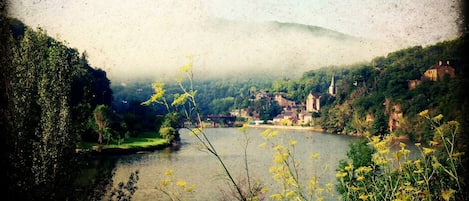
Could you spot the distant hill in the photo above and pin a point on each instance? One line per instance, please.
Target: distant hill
(316, 30)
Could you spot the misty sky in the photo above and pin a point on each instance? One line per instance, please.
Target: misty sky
(151, 38)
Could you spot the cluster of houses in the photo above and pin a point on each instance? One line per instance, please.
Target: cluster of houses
(302, 114)
(293, 113)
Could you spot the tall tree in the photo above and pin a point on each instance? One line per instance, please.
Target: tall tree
(102, 120)
(39, 141)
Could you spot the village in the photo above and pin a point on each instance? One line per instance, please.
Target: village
(301, 114)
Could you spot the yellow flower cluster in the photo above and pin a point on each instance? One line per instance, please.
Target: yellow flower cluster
(404, 178)
(285, 171)
(175, 191)
(158, 93)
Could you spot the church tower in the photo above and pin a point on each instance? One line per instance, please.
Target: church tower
(332, 88)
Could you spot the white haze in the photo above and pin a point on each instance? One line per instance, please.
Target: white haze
(151, 39)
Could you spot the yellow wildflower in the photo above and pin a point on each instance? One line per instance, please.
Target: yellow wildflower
(348, 167)
(453, 123)
(315, 156)
(262, 145)
(165, 182)
(375, 139)
(427, 151)
(158, 93)
(433, 143)
(329, 187)
(273, 169)
(274, 134)
(195, 131)
(363, 197)
(276, 196)
(458, 154)
(279, 147)
(423, 113)
(404, 151)
(169, 172)
(180, 99)
(402, 145)
(437, 117)
(265, 133)
(447, 194)
(341, 174)
(189, 188)
(363, 169)
(381, 145)
(185, 68)
(355, 188)
(181, 183)
(436, 164)
(313, 182)
(383, 151)
(319, 190)
(418, 171)
(409, 188)
(290, 194)
(292, 142)
(379, 160)
(360, 178)
(278, 158)
(243, 128)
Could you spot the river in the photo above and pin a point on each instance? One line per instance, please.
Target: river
(202, 170)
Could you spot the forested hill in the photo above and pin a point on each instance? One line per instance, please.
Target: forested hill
(381, 89)
(319, 31)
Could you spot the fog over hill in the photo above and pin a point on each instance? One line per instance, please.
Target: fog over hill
(249, 49)
(275, 49)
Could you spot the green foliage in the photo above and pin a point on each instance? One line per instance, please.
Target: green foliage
(41, 107)
(222, 106)
(435, 173)
(102, 120)
(360, 155)
(43, 70)
(379, 126)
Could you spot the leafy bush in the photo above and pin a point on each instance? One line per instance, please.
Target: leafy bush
(434, 174)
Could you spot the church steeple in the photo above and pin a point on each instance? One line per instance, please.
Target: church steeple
(332, 88)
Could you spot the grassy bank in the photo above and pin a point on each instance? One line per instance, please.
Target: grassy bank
(145, 141)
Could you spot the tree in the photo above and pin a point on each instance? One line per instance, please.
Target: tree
(379, 125)
(169, 127)
(102, 120)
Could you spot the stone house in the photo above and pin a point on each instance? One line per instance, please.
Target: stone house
(438, 71)
(313, 102)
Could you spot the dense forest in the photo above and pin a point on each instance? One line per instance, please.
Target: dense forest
(49, 94)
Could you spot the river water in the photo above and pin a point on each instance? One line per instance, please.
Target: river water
(199, 168)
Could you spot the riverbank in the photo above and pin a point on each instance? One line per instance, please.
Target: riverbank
(147, 141)
(124, 150)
